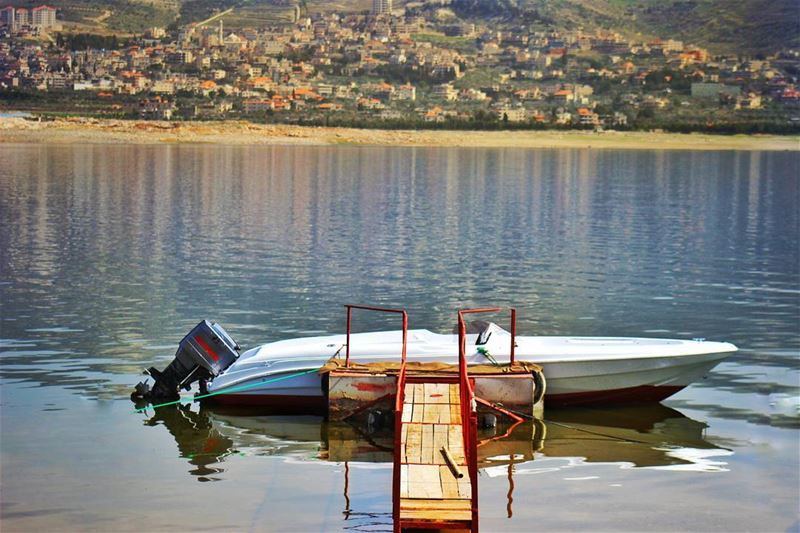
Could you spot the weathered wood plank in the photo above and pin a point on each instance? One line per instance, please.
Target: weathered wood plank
(427, 435)
(455, 443)
(464, 488)
(449, 483)
(437, 515)
(440, 438)
(444, 414)
(450, 505)
(419, 393)
(450, 487)
(435, 413)
(403, 481)
(419, 411)
(455, 414)
(455, 437)
(457, 452)
(454, 394)
(440, 393)
(429, 389)
(430, 415)
(414, 443)
(423, 482)
(409, 393)
(427, 444)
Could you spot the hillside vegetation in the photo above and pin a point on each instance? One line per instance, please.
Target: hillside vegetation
(723, 26)
(746, 26)
(730, 26)
(108, 16)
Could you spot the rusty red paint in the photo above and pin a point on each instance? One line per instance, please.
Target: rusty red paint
(372, 387)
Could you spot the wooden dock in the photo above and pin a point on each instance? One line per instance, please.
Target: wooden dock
(431, 493)
(435, 472)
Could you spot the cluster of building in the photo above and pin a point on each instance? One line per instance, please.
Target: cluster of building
(402, 67)
(20, 19)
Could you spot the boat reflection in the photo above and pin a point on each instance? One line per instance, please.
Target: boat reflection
(198, 440)
(647, 436)
(643, 436)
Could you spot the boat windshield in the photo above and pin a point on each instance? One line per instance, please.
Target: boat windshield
(483, 330)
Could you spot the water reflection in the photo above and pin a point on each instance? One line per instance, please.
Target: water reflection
(644, 436)
(112, 253)
(647, 436)
(115, 252)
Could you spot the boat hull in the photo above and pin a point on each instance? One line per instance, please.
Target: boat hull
(274, 403)
(624, 381)
(569, 383)
(300, 404)
(630, 396)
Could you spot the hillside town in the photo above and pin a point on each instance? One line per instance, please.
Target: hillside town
(412, 68)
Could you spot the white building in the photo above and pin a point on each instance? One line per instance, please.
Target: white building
(7, 16)
(43, 17)
(21, 17)
(380, 7)
(445, 91)
(14, 18)
(512, 114)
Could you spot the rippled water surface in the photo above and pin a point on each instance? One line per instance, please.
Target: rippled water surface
(110, 254)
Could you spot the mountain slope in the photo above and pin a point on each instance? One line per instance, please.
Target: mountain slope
(730, 26)
(735, 26)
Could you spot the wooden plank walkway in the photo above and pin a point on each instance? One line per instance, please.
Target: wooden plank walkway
(429, 490)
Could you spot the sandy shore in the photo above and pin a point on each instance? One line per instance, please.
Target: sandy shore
(85, 130)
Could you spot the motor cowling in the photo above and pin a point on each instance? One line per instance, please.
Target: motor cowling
(202, 354)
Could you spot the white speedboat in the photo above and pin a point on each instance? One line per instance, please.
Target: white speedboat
(578, 370)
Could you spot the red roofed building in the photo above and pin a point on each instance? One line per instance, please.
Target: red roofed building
(587, 117)
(563, 96)
(304, 93)
(43, 17)
(207, 87)
(256, 106)
(279, 103)
(789, 95)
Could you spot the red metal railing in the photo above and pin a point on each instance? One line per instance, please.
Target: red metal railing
(469, 415)
(512, 353)
(400, 398)
(513, 335)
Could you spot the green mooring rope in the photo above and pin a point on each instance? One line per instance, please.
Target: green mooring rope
(235, 389)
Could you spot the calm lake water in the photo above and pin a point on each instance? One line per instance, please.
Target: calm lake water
(110, 254)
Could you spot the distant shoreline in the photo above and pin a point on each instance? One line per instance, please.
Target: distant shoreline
(95, 131)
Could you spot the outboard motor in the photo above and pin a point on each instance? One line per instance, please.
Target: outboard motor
(202, 354)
